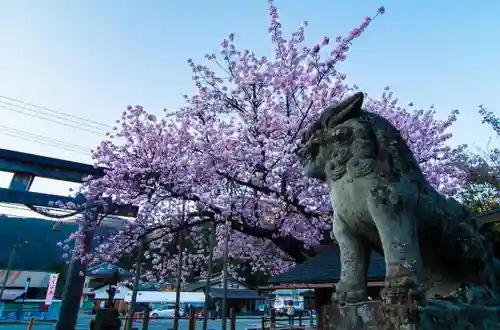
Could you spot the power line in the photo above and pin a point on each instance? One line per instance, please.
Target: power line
(51, 120)
(66, 116)
(40, 112)
(94, 127)
(43, 140)
(45, 143)
(55, 111)
(54, 116)
(17, 131)
(36, 136)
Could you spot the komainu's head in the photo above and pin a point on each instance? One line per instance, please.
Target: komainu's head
(315, 149)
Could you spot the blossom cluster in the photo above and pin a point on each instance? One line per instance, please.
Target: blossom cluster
(228, 157)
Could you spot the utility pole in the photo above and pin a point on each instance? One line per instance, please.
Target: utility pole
(179, 271)
(137, 276)
(211, 244)
(224, 283)
(7, 271)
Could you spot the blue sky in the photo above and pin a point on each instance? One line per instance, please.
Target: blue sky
(92, 58)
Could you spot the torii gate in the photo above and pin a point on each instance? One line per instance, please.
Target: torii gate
(25, 167)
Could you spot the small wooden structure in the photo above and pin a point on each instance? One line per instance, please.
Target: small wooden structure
(321, 273)
(240, 296)
(97, 277)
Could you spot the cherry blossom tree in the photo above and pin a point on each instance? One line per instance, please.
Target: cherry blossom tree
(481, 193)
(228, 156)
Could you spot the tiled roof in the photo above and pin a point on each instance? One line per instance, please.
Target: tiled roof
(107, 269)
(287, 292)
(325, 268)
(143, 286)
(153, 286)
(234, 294)
(196, 286)
(193, 286)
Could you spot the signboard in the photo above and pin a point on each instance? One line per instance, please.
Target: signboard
(51, 289)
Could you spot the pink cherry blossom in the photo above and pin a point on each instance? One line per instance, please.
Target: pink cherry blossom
(228, 156)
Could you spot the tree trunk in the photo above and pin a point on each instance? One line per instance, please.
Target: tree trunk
(73, 290)
(211, 245)
(178, 282)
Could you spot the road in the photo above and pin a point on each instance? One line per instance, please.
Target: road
(84, 320)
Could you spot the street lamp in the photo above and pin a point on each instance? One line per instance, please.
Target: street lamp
(9, 266)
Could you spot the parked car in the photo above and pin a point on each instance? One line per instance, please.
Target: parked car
(265, 308)
(165, 311)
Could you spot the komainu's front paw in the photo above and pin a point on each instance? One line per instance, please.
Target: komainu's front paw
(349, 294)
(398, 304)
(401, 295)
(402, 285)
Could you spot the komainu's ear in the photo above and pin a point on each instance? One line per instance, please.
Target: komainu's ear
(334, 115)
(338, 113)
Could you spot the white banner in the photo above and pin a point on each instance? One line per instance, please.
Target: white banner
(51, 289)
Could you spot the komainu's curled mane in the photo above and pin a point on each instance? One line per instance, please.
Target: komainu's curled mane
(382, 201)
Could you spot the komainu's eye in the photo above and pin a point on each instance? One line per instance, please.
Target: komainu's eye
(343, 134)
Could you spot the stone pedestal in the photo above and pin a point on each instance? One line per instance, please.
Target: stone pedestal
(434, 315)
(107, 319)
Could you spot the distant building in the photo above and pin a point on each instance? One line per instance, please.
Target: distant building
(320, 274)
(239, 295)
(95, 294)
(16, 283)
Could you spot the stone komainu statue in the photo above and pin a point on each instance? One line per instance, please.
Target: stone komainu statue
(382, 201)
